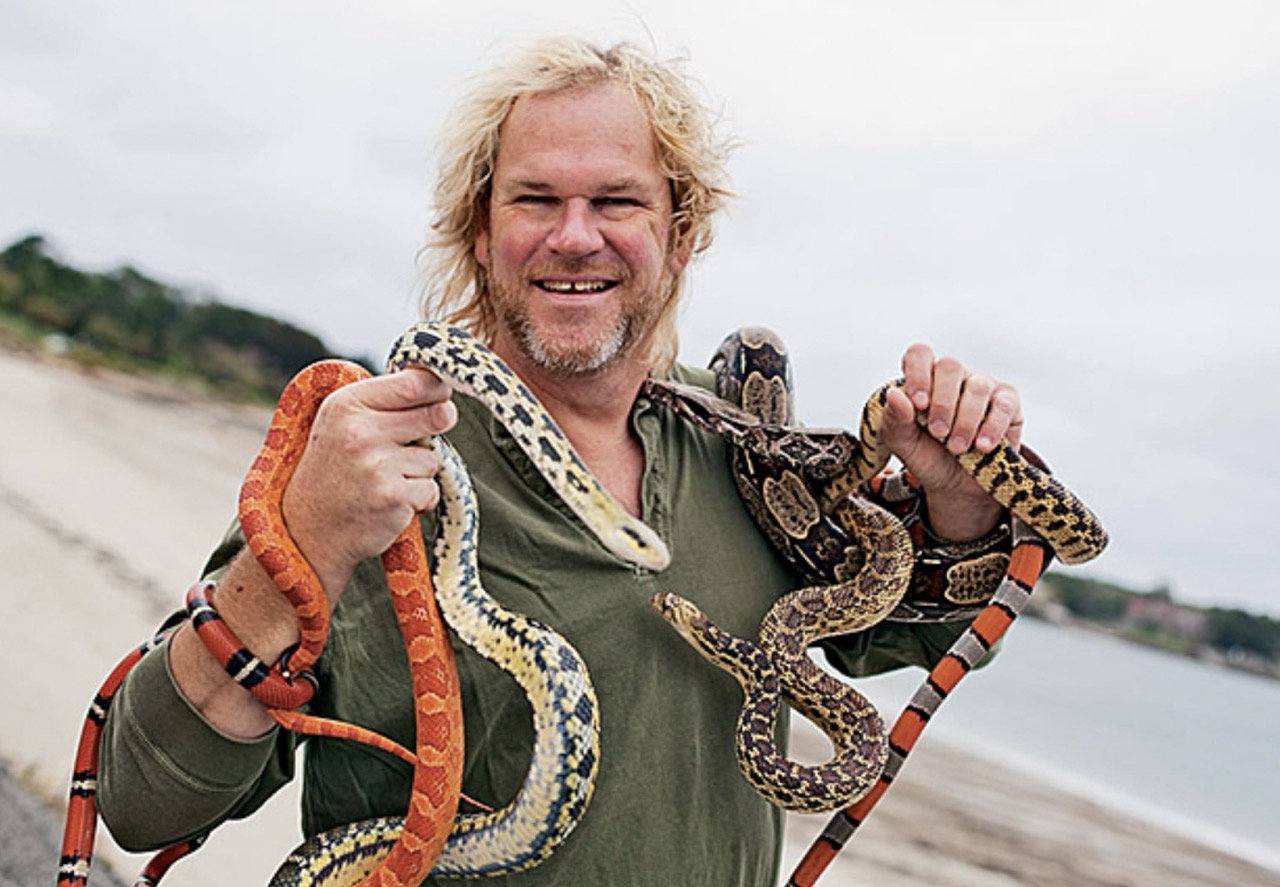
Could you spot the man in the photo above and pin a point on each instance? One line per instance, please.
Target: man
(576, 185)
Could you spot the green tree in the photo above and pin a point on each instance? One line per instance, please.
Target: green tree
(127, 317)
(1087, 599)
(1238, 630)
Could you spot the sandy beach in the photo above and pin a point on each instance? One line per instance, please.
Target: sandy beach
(113, 489)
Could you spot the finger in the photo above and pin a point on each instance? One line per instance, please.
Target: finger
(923, 456)
(444, 415)
(948, 379)
(971, 412)
(898, 410)
(412, 387)
(917, 374)
(402, 407)
(429, 421)
(422, 493)
(362, 430)
(416, 462)
(1003, 420)
(426, 408)
(898, 427)
(422, 385)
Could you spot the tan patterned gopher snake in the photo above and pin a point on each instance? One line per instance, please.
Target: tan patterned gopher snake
(801, 486)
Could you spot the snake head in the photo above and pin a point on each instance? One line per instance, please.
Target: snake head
(637, 543)
(683, 615)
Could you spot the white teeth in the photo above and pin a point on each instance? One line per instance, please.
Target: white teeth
(575, 286)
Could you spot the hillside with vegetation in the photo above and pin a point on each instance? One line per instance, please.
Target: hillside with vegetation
(126, 320)
(1226, 636)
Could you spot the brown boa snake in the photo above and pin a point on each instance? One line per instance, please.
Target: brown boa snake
(802, 486)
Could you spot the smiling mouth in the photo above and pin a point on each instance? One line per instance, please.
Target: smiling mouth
(575, 287)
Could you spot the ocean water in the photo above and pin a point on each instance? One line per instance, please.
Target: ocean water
(1190, 746)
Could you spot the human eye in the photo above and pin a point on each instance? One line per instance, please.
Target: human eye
(616, 206)
(533, 199)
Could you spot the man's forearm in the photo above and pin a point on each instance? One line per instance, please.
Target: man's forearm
(262, 619)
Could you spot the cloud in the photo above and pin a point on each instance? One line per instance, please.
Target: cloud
(1077, 197)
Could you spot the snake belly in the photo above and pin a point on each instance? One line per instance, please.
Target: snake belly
(565, 759)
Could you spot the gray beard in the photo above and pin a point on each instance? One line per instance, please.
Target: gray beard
(574, 363)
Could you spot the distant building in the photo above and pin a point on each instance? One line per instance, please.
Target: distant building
(1158, 613)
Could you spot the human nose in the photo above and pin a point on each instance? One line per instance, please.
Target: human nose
(576, 231)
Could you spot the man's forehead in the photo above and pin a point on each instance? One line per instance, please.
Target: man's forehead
(598, 134)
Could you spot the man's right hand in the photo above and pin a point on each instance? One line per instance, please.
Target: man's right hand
(359, 483)
(361, 479)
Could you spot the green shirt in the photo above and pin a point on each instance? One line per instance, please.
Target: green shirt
(670, 806)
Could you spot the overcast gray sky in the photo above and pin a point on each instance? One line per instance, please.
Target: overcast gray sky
(1080, 197)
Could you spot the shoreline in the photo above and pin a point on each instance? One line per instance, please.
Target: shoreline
(1207, 656)
(961, 816)
(112, 491)
(1121, 803)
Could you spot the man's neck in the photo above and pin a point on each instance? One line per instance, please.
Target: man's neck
(594, 413)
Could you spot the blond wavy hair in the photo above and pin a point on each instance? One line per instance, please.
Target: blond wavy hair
(691, 152)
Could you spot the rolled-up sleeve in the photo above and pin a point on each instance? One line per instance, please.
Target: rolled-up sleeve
(166, 774)
(893, 645)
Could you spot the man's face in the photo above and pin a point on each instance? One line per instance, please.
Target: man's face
(578, 240)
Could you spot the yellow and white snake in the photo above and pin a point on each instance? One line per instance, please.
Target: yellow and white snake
(560, 780)
(561, 775)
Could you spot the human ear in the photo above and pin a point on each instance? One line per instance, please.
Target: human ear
(681, 250)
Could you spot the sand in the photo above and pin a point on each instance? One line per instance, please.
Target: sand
(113, 489)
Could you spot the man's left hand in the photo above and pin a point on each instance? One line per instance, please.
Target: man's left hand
(963, 410)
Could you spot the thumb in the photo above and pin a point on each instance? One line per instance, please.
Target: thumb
(919, 452)
(404, 390)
(898, 427)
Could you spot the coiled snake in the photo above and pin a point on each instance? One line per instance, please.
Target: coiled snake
(801, 486)
(403, 850)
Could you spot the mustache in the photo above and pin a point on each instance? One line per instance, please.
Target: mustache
(579, 268)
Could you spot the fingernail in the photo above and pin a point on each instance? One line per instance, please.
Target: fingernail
(938, 430)
(957, 444)
(920, 399)
(983, 443)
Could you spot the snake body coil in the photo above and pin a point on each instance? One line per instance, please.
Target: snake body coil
(565, 757)
(402, 850)
(803, 488)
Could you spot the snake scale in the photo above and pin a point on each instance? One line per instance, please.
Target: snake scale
(802, 487)
(403, 850)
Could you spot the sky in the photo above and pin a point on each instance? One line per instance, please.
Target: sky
(1081, 198)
